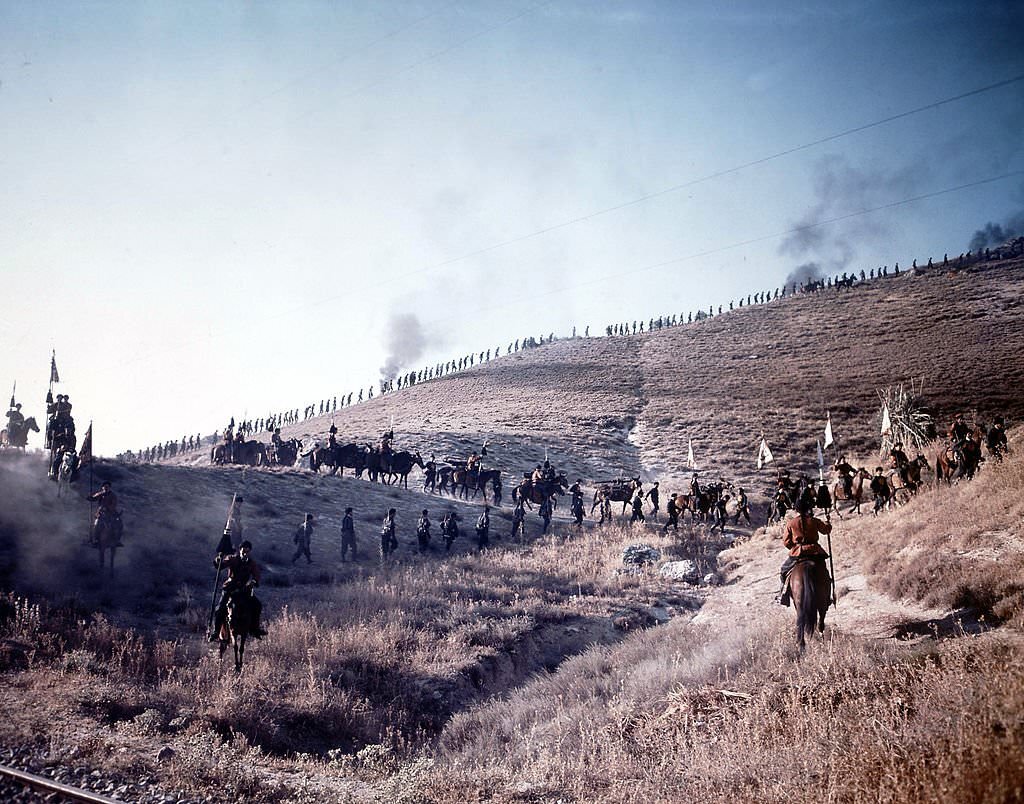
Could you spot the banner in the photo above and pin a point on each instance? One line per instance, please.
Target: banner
(886, 423)
(764, 455)
(828, 430)
(85, 453)
(690, 462)
(54, 376)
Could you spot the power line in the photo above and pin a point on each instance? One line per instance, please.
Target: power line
(740, 243)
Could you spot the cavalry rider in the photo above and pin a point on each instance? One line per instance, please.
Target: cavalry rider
(801, 539)
(107, 514)
(384, 445)
(473, 463)
(15, 422)
(880, 488)
(548, 472)
(958, 434)
(846, 473)
(276, 442)
(898, 458)
(695, 487)
(243, 578)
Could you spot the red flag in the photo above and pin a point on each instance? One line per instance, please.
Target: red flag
(85, 453)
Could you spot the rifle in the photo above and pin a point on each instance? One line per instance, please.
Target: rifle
(224, 547)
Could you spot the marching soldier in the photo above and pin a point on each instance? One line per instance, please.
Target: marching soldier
(348, 535)
(483, 528)
(302, 537)
(388, 540)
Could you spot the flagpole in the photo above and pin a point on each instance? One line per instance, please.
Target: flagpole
(832, 569)
(90, 480)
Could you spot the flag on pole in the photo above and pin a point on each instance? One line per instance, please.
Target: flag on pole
(821, 463)
(690, 462)
(54, 376)
(828, 429)
(764, 455)
(85, 453)
(886, 423)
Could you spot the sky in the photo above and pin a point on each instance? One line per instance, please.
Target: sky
(226, 209)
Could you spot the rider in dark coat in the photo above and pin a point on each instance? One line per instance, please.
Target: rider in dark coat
(348, 535)
(243, 578)
(107, 514)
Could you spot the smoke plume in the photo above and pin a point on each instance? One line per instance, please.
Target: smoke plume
(840, 189)
(992, 234)
(405, 342)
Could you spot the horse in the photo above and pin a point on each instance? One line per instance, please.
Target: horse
(337, 457)
(285, 453)
(951, 464)
(621, 491)
(810, 588)
(17, 437)
(67, 472)
(907, 480)
(106, 535)
(856, 495)
(247, 453)
(494, 477)
(537, 493)
(402, 464)
(237, 626)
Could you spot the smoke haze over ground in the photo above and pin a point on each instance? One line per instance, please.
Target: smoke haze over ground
(405, 342)
(840, 189)
(994, 234)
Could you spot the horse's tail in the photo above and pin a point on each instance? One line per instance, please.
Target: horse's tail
(805, 599)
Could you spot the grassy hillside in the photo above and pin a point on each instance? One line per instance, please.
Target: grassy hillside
(544, 668)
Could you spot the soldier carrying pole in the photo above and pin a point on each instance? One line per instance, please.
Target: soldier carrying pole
(224, 547)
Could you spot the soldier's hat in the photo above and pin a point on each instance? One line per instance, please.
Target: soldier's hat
(878, 470)
(424, 511)
(246, 545)
(348, 510)
(17, 405)
(105, 484)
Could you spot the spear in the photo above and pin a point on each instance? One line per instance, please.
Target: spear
(832, 568)
(223, 548)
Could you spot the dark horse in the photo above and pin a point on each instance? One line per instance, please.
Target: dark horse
(811, 590)
(537, 493)
(401, 464)
(238, 625)
(339, 456)
(284, 454)
(248, 453)
(616, 491)
(18, 437)
(951, 464)
(106, 535)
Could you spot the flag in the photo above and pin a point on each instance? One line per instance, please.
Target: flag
(690, 462)
(764, 455)
(85, 453)
(821, 463)
(54, 376)
(886, 423)
(828, 430)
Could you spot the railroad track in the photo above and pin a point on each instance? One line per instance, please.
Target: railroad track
(41, 783)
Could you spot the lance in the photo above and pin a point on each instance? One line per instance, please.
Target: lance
(832, 568)
(223, 548)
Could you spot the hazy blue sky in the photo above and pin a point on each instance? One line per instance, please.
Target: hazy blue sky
(211, 209)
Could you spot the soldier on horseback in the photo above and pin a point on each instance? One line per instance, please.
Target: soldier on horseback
(243, 578)
(899, 461)
(995, 439)
(108, 517)
(801, 539)
(384, 445)
(15, 421)
(846, 473)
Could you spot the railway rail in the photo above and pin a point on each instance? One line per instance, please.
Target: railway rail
(41, 783)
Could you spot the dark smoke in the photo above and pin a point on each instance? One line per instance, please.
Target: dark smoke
(808, 272)
(405, 342)
(840, 189)
(992, 234)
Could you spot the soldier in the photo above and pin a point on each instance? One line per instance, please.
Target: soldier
(15, 421)
(275, 443)
(423, 531)
(545, 513)
(576, 506)
(483, 528)
(430, 475)
(302, 537)
(673, 514)
(388, 540)
(995, 440)
(638, 509)
(880, 488)
(846, 473)
(473, 462)
(243, 578)
(720, 513)
(348, 535)
(695, 488)
(653, 496)
(742, 506)
(801, 538)
(107, 515)
(518, 519)
(450, 529)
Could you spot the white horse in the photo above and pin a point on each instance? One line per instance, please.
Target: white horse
(68, 464)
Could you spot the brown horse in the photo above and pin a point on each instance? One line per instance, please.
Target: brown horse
(908, 480)
(951, 464)
(856, 495)
(811, 590)
(106, 535)
(238, 625)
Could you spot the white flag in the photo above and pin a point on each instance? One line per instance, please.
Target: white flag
(828, 430)
(690, 462)
(764, 455)
(886, 424)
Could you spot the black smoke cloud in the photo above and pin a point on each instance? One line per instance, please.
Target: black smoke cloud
(994, 234)
(405, 342)
(841, 189)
